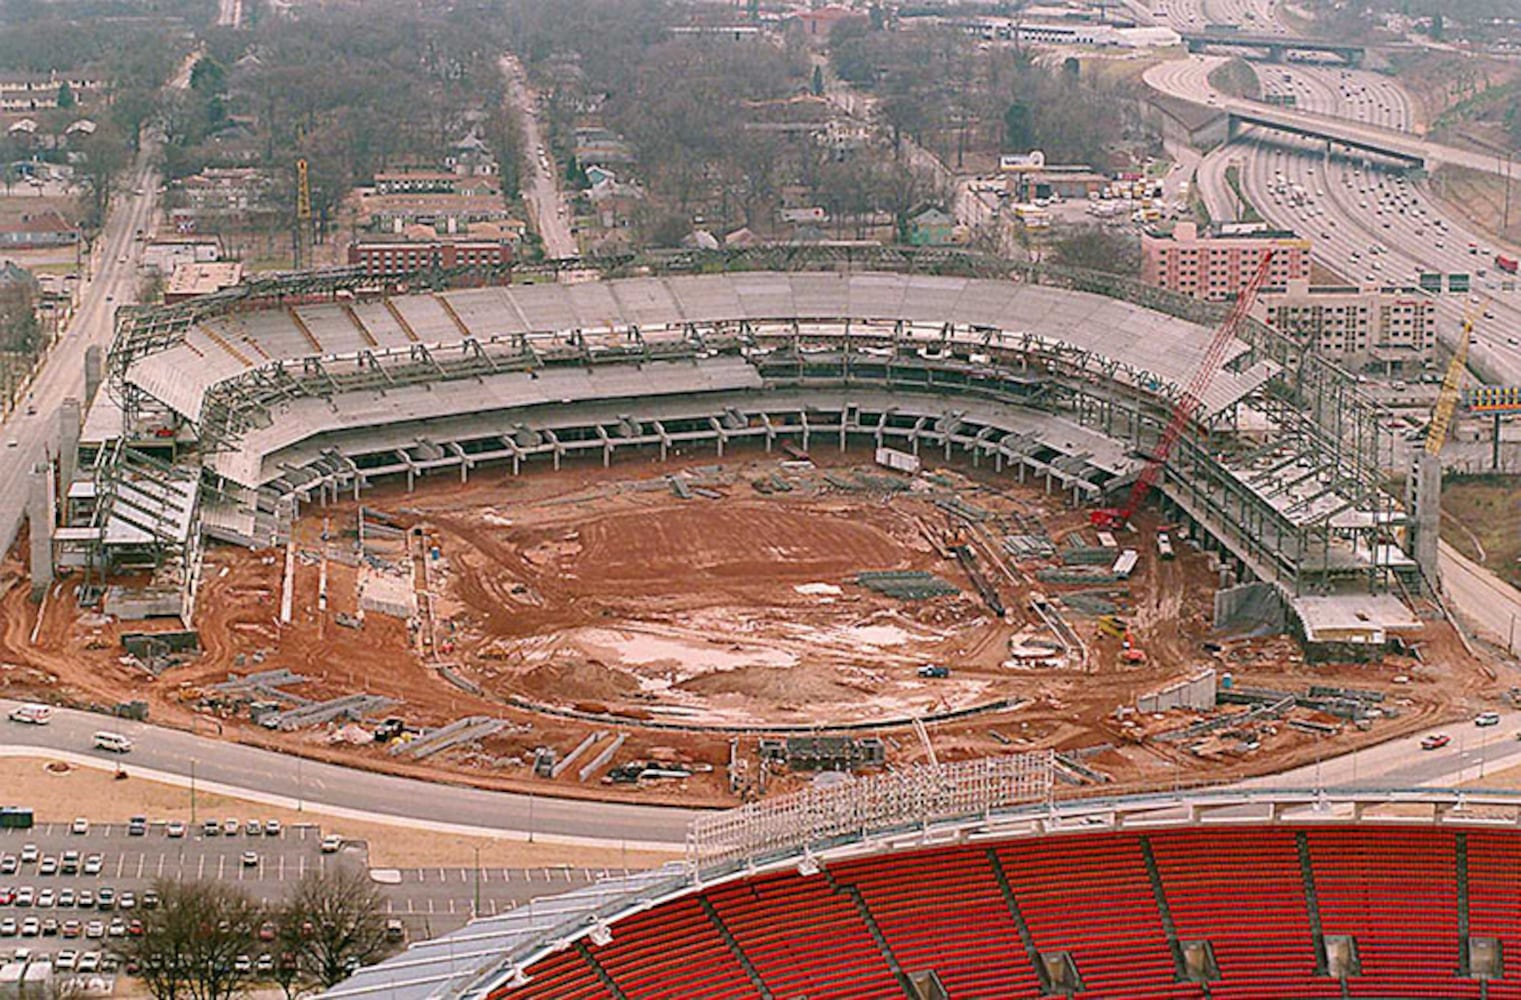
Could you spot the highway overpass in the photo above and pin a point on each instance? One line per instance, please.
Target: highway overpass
(1274, 47)
(1358, 136)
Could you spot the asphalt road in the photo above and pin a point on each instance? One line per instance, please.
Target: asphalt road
(112, 282)
(30, 439)
(339, 791)
(1473, 752)
(541, 187)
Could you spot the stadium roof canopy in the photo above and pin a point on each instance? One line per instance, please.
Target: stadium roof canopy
(218, 348)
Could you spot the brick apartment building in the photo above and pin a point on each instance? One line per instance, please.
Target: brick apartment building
(392, 258)
(1217, 266)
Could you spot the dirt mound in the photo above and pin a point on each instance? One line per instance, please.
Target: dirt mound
(780, 686)
(576, 682)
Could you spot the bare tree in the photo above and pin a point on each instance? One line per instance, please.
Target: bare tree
(190, 943)
(332, 922)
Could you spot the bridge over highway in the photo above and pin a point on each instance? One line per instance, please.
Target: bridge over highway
(1276, 47)
(1405, 146)
(1359, 136)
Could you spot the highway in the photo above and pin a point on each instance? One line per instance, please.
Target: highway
(1366, 222)
(328, 789)
(1370, 225)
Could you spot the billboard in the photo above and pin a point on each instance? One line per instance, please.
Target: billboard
(1493, 399)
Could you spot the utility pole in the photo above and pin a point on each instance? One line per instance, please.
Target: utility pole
(303, 212)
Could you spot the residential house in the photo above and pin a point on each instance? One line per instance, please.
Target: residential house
(36, 230)
(931, 228)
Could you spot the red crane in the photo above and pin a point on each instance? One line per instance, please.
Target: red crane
(1110, 518)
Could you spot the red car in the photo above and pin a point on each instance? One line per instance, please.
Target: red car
(1435, 741)
(7, 896)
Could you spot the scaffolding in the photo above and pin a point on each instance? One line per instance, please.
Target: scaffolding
(816, 819)
(1325, 522)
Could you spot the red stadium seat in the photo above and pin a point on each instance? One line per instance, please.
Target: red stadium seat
(1392, 888)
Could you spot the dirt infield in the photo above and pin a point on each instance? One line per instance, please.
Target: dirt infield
(686, 606)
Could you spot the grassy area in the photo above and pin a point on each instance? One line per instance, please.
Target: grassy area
(1482, 519)
(1196, 203)
(57, 796)
(1480, 199)
(61, 267)
(1237, 78)
(1247, 210)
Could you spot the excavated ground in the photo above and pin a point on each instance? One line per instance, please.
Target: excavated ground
(604, 593)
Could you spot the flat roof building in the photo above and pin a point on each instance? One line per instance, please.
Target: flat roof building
(1387, 330)
(1218, 266)
(189, 279)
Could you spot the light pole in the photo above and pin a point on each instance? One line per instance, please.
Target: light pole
(300, 801)
(476, 912)
(192, 791)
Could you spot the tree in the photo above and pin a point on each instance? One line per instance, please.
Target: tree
(208, 77)
(190, 943)
(817, 86)
(1097, 249)
(66, 96)
(1438, 26)
(103, 157)
(1018, 130)
(333, 921)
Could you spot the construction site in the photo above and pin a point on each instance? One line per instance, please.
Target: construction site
(700, 549)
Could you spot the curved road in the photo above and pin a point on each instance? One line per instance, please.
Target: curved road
(275, 777)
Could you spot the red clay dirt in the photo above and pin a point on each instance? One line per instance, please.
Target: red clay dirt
(601, 591)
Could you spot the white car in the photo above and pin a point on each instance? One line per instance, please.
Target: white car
(331, 843)
(80, 825)
(1487, 719)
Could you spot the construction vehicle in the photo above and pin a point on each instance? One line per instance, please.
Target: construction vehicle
(1112, 518)
(1452, 385)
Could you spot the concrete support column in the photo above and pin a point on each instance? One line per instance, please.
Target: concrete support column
(69, 425)
(91, 372)
(39, 514)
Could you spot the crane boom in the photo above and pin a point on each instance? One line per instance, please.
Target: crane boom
(1452, 383)
(1188, 402)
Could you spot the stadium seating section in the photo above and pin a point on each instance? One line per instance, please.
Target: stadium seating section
(1087, 914)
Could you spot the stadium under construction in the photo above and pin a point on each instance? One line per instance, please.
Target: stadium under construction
(224, 415)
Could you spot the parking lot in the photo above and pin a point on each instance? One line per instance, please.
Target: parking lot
(47, 909)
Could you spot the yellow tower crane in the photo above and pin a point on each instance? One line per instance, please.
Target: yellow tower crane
(1452, 386)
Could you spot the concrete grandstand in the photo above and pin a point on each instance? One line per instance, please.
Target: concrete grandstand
(227, 413)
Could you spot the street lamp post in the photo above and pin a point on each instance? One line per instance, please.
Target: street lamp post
(192, 791)
(476, 912)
